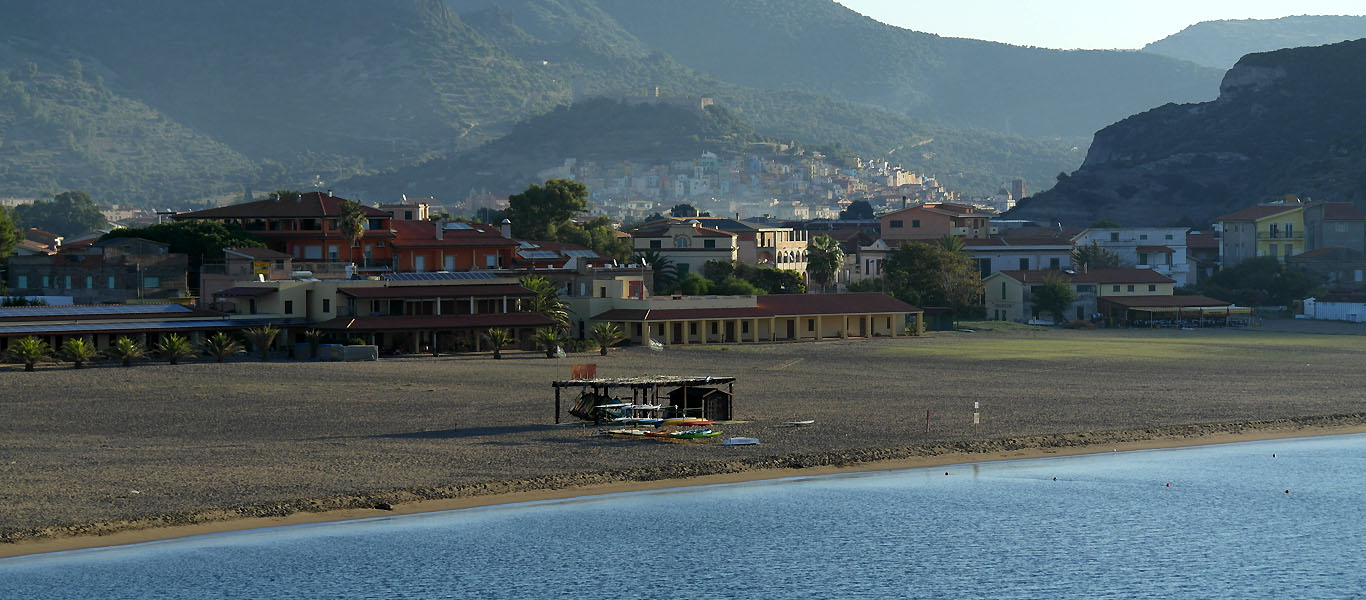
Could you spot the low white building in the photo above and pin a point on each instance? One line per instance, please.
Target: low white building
(1349, 306)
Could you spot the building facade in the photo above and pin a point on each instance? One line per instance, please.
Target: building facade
(1162, 249)
(1267, 230)
(112, 271)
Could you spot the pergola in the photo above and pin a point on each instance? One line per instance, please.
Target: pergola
(643, 389)
(1178, 308)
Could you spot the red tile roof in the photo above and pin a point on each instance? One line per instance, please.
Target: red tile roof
(1167, 301)
(1342, 211)
(1257, 212)
(1034, 276)
(1202, 239)
(439, 291)
(681, 314)
(1033, 236)
(519, 319)
(314, 205)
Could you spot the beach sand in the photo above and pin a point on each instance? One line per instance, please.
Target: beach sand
(112, 456)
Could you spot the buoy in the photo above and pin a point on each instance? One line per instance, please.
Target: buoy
(946, 472)
(1055, 479)
(1273, 455)
(1169, 485)
(1287, 491)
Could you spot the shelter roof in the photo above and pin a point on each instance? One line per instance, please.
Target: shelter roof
(1167, 301)
(773, 305)
(645, 381)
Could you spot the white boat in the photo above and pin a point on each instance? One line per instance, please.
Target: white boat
(740, 441)
(798, 423)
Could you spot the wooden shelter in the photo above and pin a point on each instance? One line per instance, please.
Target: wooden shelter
(712, 402)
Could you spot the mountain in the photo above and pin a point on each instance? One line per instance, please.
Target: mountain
(1220, 44)
(821, 47)
(1286, 122)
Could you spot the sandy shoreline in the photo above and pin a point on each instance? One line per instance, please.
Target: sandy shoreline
(411, 501)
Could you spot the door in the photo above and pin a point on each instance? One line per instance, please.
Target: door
(420, 263)
(791, 329)
(678, 334)
(730, 331)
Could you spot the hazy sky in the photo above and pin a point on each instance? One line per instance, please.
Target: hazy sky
(1082, 23)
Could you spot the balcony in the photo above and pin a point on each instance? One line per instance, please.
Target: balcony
(1280, 235)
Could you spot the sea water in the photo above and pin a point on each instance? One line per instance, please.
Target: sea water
(1273, 519)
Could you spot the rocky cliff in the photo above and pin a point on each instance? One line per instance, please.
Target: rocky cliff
(1285, 122)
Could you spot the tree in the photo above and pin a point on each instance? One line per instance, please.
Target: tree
(314, 337)
(78, 352)
(1261, 281)
(125, 349)
(547, 300)
(29, 350)
(68, 213)
(664, 273)
(1093, 256)
(597, 234)
(550, 339)
(9, 237)
(200, 240)
(221, 345)
(533, 211)
(683, 211)
(606, 334)
(261, 338)
(1054, 296)
(824, 258)
(951, 242)
(499, 339)
(928, 275)
(858, 209)
(175, 347)
(352, 224)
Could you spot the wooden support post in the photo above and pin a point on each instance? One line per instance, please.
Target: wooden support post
(557, 405)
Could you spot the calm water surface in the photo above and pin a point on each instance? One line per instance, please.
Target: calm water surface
(1108, 527)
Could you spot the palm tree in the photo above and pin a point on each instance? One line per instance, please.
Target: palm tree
(550, 339)
(78, 351)
(352, 224)
(261, 338)
(29, 350)
(665, 274)
(314, 338)
(547, 300)
(125, 349)
(175, 347)
(951, 242)
(499, 339)
(221, 345)
(606, 334)
(824, 258)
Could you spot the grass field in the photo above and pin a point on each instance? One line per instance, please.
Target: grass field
(284, 434)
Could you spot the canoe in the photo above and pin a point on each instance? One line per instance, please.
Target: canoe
(684, 422)
(740, 441)
(693, 434)
(637, 420)
(631, 432)
(798, 423)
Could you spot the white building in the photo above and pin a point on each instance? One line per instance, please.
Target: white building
(1162, 249)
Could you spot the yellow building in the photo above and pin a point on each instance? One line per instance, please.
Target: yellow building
(1009, 294)
(1267, 230)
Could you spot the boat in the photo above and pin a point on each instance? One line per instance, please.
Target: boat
(798, 423)
(638, 420)
(631, 432)
(693, 434)
(740, 441)
(684, 422)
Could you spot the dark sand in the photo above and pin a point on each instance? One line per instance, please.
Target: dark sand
(102, 450)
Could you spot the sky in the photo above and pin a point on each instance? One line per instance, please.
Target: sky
(1089, 24)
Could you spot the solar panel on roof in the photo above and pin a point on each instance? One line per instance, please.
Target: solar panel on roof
(441, 276)
(538, 254)
(458, 225)
(91, 309)
(581, 253)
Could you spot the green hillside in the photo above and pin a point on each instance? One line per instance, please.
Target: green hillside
(1220, 44)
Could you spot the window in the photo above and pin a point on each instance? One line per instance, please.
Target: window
(289, 307)
(46, 282)
(896, 223)
(111, 282)
(682, 269)
(1024, 264)
(1169, 236)
(915, 223)
(407, 215)
(332, 252)
(1340, 227)
(66, 280)
(1152, 287)
(327, 305)
(1114, 236)
(379, 244)
(1086, 289)
(682, 242)
(708, 243)
(1142, 258)
(713, 327)
(1055, 263)
(1289, 230)
(1142, 236)
(151, 282)
(89, 282)
(656, 244)
(602, 292)
(1131, 287)
(420, 263)
(744, 326)
(692, 328)
(810, 324)
(251, 306)
(1116, 288)
(21, 281)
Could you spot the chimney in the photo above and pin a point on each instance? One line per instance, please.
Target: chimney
(440, 229)
(506, 228)
(329, 193)
(903, 203)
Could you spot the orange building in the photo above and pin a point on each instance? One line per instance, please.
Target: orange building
(306, 228)
(933, 221)
(423, 246)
